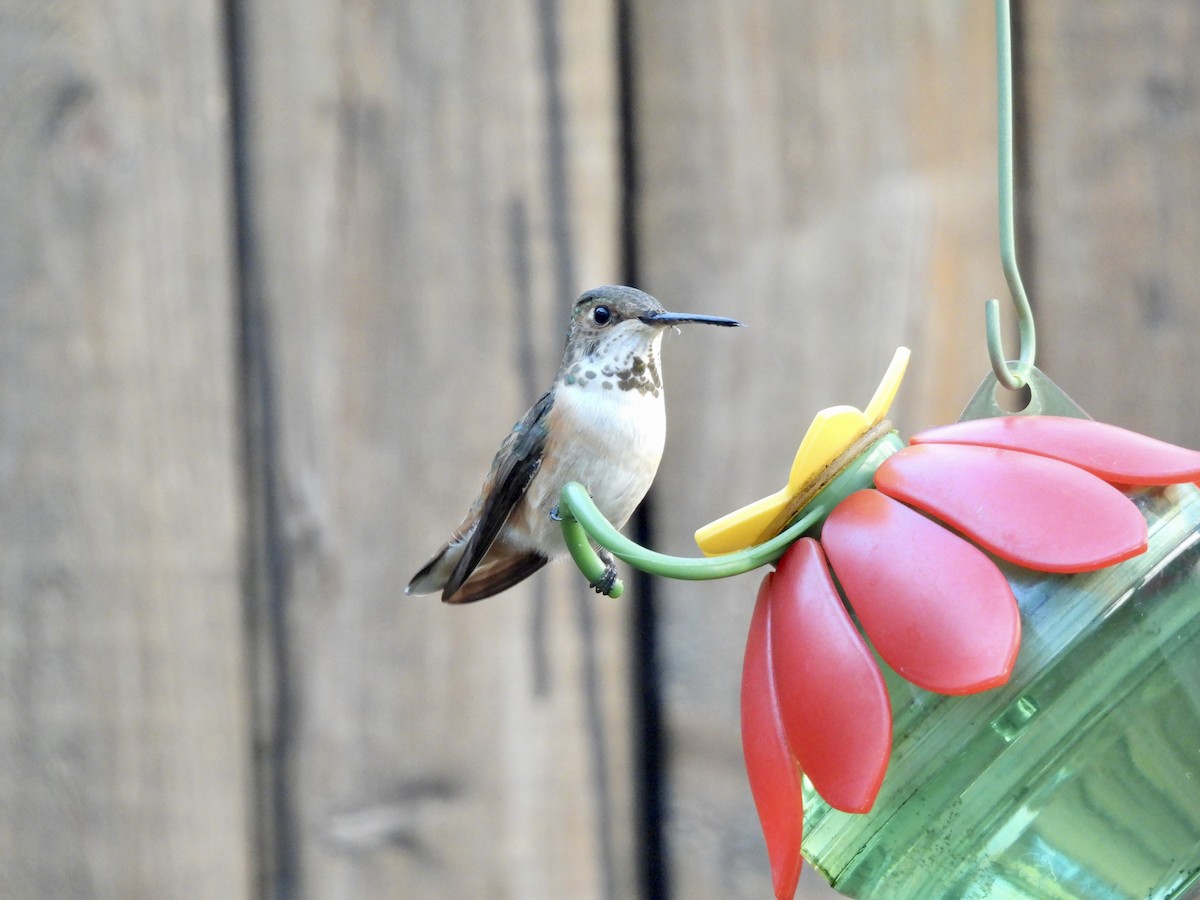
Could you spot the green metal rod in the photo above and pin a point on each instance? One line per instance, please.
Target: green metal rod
(1011, 378)
(583, 523)
(578, 543)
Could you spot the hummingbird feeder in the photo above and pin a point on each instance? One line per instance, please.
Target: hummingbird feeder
(975, 668)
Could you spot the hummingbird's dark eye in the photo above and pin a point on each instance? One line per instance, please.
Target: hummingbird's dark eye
(601, 315)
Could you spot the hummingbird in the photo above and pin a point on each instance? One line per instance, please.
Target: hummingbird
(602, 424)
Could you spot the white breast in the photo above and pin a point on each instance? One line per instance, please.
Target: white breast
(615, 450)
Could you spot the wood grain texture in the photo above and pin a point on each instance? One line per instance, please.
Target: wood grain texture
(124, 746)
(211, 684)
(824, 172)
(432, 185)
(1113, 206)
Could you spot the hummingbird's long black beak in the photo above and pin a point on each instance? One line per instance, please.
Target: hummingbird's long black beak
(670, 318)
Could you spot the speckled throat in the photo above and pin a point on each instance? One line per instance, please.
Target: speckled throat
(615, 363)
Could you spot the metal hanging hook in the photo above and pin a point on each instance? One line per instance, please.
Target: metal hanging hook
(1012, 376)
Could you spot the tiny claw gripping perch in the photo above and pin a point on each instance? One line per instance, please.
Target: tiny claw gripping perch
(608, 580)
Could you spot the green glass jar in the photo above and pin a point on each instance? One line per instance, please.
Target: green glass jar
(1080, 778)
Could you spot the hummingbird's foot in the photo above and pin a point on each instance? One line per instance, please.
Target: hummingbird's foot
(555, 515)
(605, 582)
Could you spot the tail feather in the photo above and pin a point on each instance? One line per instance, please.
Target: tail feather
(492, 578)
(497, 573)
(435, 573)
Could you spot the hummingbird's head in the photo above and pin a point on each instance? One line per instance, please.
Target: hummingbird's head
(612, 309)
(621, 326)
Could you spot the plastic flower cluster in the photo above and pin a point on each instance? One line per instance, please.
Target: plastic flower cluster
(913, 556)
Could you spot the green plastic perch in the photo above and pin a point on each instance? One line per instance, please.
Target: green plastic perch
(583, 523)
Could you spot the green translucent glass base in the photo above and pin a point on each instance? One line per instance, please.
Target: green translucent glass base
(1078, 779)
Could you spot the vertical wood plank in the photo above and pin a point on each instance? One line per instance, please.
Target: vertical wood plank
(1113, 207)
(432, 183)
(826, 173)
(123, 723)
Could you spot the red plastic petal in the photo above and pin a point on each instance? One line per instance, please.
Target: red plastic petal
(936, 608)
(1109, 452)
(831, 693)
(773, 771)
(1031, 510)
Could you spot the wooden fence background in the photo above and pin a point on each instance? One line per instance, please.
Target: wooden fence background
(275, 278)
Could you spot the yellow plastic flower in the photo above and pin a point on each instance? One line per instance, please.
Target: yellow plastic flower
(836, 435)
